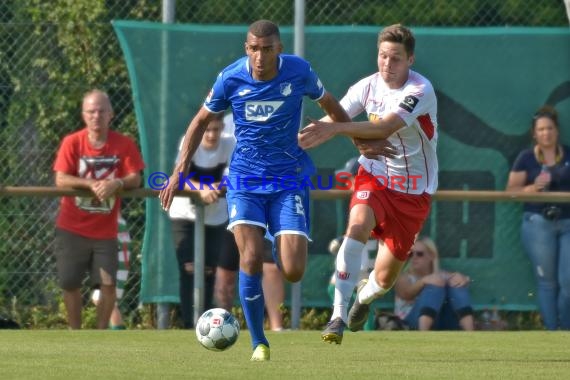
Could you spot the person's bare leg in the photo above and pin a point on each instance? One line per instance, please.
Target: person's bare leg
(386, 267)
(116, 316)
(274, 291)
(73, 305)
(105, 305)
(467, 323)
(225, 288)
(292, 252)
(425, 323)
(249, 240)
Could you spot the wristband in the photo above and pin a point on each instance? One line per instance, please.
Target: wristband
(121, 183)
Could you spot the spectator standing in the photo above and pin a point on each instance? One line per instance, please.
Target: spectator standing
(208, 165)
(545, 228)
(105, 162)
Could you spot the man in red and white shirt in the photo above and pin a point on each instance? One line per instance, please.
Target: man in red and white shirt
(103, 161)
(398, 173)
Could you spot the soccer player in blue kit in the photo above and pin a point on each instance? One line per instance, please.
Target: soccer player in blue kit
(265, 90)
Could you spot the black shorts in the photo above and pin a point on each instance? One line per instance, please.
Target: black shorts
(183, 235)
(267, 254)
(229, 255)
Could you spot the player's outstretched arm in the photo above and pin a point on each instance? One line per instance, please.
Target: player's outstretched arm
(318, 132)
(192, 140)
(372, 148)
(333, 109)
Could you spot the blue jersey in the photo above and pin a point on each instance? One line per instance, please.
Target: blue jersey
(267, 117)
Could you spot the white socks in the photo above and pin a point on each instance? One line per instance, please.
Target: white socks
(371, 290)
(348, 261)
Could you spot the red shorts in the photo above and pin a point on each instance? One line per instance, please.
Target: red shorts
(399, 216)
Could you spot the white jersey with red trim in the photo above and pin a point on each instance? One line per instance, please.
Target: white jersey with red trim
(414, 169)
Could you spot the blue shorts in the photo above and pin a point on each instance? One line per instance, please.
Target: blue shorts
(282, 212)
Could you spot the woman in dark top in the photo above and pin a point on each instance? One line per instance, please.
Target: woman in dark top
(545, 230)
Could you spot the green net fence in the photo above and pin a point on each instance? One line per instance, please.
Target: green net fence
(484, 109)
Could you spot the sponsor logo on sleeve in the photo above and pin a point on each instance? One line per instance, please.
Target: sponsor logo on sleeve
(409, 103)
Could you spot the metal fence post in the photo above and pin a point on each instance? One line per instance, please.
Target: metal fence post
(299, 46)
(199, 260)
(168, 12)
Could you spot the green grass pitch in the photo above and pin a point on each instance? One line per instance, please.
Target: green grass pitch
(299, 355)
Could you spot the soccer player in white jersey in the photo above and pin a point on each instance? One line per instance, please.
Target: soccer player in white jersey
(392, 195)
(265, 91)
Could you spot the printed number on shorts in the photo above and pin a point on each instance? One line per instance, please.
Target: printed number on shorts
(299, 205)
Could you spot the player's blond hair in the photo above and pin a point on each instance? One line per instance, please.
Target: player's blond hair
(432, 248)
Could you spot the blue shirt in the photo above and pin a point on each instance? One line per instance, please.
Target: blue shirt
(267, 117)
(560, 177)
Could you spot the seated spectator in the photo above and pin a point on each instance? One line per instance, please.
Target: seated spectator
(429, 298)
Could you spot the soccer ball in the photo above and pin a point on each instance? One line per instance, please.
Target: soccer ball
(217, 329)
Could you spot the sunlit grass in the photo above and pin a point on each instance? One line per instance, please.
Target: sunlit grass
(175, 354)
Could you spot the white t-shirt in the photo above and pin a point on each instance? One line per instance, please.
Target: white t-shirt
(229, 126)
(402, 307)
(415, 102)
(212, 163)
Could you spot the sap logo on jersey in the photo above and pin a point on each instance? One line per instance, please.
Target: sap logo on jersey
(261, 111)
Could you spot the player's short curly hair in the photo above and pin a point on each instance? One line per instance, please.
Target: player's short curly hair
(398, 33)
(264, 28)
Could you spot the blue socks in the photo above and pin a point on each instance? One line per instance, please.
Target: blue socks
(253, 304)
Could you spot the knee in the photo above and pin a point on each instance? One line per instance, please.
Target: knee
(358, 231)
(565, 289)
(429, 312)
(294, 275)
(225, 289)
(251, 263)
(464, 312)
(210, 273)
(108, 290)
(225, 279)
(385, 279)
(188, 268)
(439, 282)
